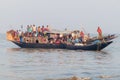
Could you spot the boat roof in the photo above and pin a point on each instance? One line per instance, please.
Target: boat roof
(58, 32)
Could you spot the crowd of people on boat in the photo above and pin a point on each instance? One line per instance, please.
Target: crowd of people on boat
(42, 34)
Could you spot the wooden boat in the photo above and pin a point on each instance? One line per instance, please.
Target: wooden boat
(92, 46)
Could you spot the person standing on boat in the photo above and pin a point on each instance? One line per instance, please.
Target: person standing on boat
(20, 35)
(99, 33)
(81, 36)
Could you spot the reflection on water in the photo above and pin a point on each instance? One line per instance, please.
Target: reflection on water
(62, 56)
(34, 50)
(56, 63)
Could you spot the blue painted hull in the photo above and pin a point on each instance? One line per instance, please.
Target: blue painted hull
(92, 47)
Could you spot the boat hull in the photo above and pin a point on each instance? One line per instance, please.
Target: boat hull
(93, 47)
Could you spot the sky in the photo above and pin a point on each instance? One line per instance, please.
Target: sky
(61, 14)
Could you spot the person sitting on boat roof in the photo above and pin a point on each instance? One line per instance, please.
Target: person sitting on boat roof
(39, 29)
(34, 28)
(47, 28)
(42, 29)
(30, 28)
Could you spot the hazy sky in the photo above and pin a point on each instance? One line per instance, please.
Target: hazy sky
(60, 14)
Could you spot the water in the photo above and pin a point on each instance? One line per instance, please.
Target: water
(41, 64)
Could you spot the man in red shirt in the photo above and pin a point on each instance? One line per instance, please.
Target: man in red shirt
(99, 33)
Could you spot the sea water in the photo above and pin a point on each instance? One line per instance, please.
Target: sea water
(57, 64)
